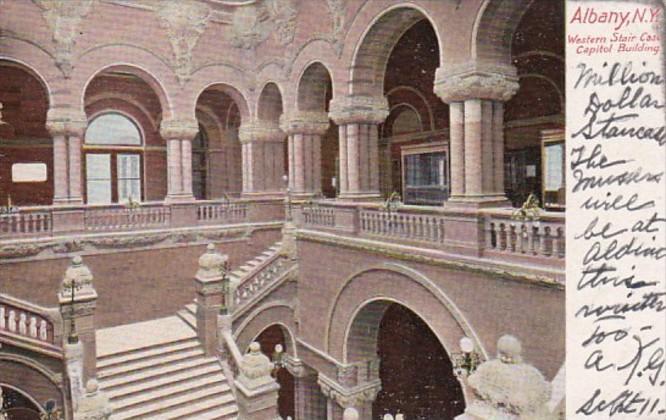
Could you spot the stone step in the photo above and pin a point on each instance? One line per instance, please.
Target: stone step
(226, 412)
(145, 364)
(121, 392)
(149, 374)
(189, 318)
(164, 408)
(191, 308)
(172, 391)
(145, 354)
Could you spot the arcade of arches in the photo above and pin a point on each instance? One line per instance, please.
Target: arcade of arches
(446, 103)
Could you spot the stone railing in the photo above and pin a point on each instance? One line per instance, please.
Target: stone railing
(260, 280)
(402, 225)
(544, 238)
(121, 218)
(316, 215)
(221, 213)
(30, 323)
(47, 221)
(26, 222)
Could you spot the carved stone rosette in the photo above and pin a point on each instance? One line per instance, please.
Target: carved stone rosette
(179, 129)
(185, 21)
(475, 85)
(260, 131)
(64, 17)
(305, 122)
(359, 109)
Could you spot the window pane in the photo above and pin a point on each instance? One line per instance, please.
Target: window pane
(113, 129)
(98, 178)
(129, 177)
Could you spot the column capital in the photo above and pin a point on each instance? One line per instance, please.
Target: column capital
(457, 86)
(347, 397)
(304, 122)
(66, 122)
(260, 131)
(359, 109)
(177, 129)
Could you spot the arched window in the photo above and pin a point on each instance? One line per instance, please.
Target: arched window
(113, 159)
(200, 164)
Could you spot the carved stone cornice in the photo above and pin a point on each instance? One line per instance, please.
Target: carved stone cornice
(260, 131)
(475, 85)
(179, 129)
(305, 122)
(66, 122)
(295, 366)
(349, 397)
(359, 109)
(185, 21)
(64, 17)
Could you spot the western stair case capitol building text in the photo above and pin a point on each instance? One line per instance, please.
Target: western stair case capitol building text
(265, 209)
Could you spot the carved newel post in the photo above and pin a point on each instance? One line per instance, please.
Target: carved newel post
(257, 390)
(506, 388)
(94, 405)
(78, 300)
(210, 289)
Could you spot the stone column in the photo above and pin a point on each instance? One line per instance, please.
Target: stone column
(178, 135)
(67, 129)
(263, 159)
(309, 402)
(358, 118)
(355, 387)
(210, 287)
(305, 131)
(475, 101)
(257, 390)
(78, 300)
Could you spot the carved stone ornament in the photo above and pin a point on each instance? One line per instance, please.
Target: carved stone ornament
(66, 122)
(64, 17)
(305, 122)
(508, 389)
(185, 21)
(359, 109)
(260, 131)
(94, 405)
(255, 368)
(346, 397)
(253, 23)
(179, 129)
(78, 280)
(337, 10)
(211, 263)
(475, 85)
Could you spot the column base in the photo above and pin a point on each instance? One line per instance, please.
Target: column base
(263, 195)
(363, 197)
(69, 201)
(478, 201)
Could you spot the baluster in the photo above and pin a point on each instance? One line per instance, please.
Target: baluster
(33, 327)
(3, 321)
(558, 238)
(23, 324)
(12, 320)
(530, 238)
(43, 330)
(545, 239)
(522, 231)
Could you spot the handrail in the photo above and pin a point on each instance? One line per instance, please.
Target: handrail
(38, 324)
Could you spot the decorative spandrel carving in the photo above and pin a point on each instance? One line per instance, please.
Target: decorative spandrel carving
(63, 18)
(337, 10)
(185, 21)
(253, 23)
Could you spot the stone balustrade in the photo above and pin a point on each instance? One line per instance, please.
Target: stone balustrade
(47, 221)
(316, 215)
(260, 280)
(403, 225)
(28, 321)
(25, 222)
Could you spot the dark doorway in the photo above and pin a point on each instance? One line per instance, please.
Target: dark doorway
(268, 339)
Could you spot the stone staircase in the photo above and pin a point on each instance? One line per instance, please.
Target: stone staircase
(254, 264)
(157, 370)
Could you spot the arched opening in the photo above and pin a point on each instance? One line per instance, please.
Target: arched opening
(315, 91)
(216, 163)
(271, 152)
(123, 154)
(534, 117)
(16, 405)
(26, 148)
(404, 344)
(268, 340)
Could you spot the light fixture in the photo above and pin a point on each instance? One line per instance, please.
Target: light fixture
(467, 360)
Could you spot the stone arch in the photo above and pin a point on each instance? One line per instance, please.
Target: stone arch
(116, 96)
(269, 105)
(32, 71)
(138, 62)
(222, 76)
(25, 395)
(313, 51)
(403, 285)
(396, 118)
(31, 378)
(312, 88)
(236, 96)
(493, 30)
(274, 313)
(371, 54)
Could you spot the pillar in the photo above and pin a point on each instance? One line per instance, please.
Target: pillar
(210, 286)
(263, 159)
(178, 135)
(355, 387)
(305, 131)
(67, 129)
(358, 118)
(475, 101)
(78, 300)
(256, 389)
(310, 403)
